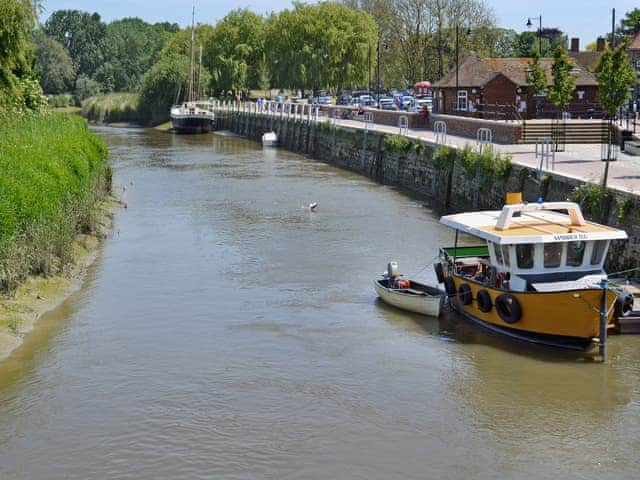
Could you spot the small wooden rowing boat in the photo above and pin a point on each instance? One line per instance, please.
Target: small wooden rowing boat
(408, 294)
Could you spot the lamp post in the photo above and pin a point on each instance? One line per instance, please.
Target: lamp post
(530, 23)
(385, 46)
(458, 59)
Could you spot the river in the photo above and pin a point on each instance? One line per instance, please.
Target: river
(227, 332)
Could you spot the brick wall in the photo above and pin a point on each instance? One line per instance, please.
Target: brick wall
(503, 132)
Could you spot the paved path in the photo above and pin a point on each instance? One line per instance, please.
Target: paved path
(580, 161)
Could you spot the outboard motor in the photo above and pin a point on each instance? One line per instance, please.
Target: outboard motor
(392, 270)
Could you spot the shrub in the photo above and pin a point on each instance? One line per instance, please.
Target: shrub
(397, 143)
(588, 196)
(469, 160)
(443, 157)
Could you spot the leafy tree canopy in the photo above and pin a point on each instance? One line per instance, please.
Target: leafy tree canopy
(535, 76)
(16, 24)
(82, 34)
(564, 82)
(616, 77)
(631, 22)
(323, 45)
(161, 86)
(53, 65)
(131, 47)
(234, 53)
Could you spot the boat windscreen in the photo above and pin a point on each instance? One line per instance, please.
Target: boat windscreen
(462, 252)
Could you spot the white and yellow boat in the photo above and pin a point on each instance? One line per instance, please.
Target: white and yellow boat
(538, 276)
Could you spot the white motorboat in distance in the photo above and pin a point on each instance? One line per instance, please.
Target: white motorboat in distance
(269, 139)
(408, 294)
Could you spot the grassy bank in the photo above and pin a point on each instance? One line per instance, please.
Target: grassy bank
(53, 172)
(112, 108)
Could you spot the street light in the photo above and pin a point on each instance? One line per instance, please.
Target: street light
(386, 47)
(458, 60)
(530, 24)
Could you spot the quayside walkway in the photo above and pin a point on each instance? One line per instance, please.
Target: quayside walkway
(580, 161)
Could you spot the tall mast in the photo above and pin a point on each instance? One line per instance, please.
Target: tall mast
(199, 74)
(190, 93)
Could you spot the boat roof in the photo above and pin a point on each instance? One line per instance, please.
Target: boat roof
(532, 223)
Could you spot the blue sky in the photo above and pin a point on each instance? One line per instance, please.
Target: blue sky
(585, 19)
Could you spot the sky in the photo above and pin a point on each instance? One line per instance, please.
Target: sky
(585, 19)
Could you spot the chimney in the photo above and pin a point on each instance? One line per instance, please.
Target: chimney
(575, 45)
(600, 44)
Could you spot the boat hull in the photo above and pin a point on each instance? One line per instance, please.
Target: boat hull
(192, 124)
(568, 318)
(422, 304)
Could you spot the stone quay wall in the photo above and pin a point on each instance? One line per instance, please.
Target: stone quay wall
(439, 176)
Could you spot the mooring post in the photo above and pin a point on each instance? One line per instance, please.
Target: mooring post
(602, 347)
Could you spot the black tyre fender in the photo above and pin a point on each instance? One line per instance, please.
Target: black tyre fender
(439, 272)
(449, 286)
(508, 308)
(483, 300)
(464, 294)
(623, 306)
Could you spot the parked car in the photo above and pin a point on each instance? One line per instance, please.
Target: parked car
(322, 100)
(344, 99)
(386, 104)
(407, 102)
(367, 101)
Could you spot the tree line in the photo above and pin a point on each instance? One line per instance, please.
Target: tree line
(322, 46)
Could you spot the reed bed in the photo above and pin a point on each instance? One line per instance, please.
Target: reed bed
(112, 108)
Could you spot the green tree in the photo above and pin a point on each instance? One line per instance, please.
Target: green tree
(53, 65)
(18, 90)
(552, 39)
(616, 77)
(505, 43)
(87, 87)
(234, 53)
(323, 45)
(161, 85)
(564, 81)
(536, 78)
(131, 48)
(16, 24)
(631, 22)
(82, 34)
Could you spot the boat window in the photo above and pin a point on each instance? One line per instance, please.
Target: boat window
(552, 254)
(505, 254)
(524, 254)
(599, 247)
(575, 252)
(498, 252)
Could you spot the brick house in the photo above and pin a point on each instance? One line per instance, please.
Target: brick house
(496, 88)
(633, 51)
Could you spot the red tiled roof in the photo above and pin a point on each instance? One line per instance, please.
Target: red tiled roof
(477, 72)
(635, 43)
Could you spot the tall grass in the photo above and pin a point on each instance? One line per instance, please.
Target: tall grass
(112, 108)
(53, 170)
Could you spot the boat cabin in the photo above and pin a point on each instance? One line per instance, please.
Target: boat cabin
(533, 247)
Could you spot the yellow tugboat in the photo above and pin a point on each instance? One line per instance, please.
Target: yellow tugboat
(538, 276)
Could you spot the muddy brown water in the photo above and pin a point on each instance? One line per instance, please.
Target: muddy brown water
(227, 332)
